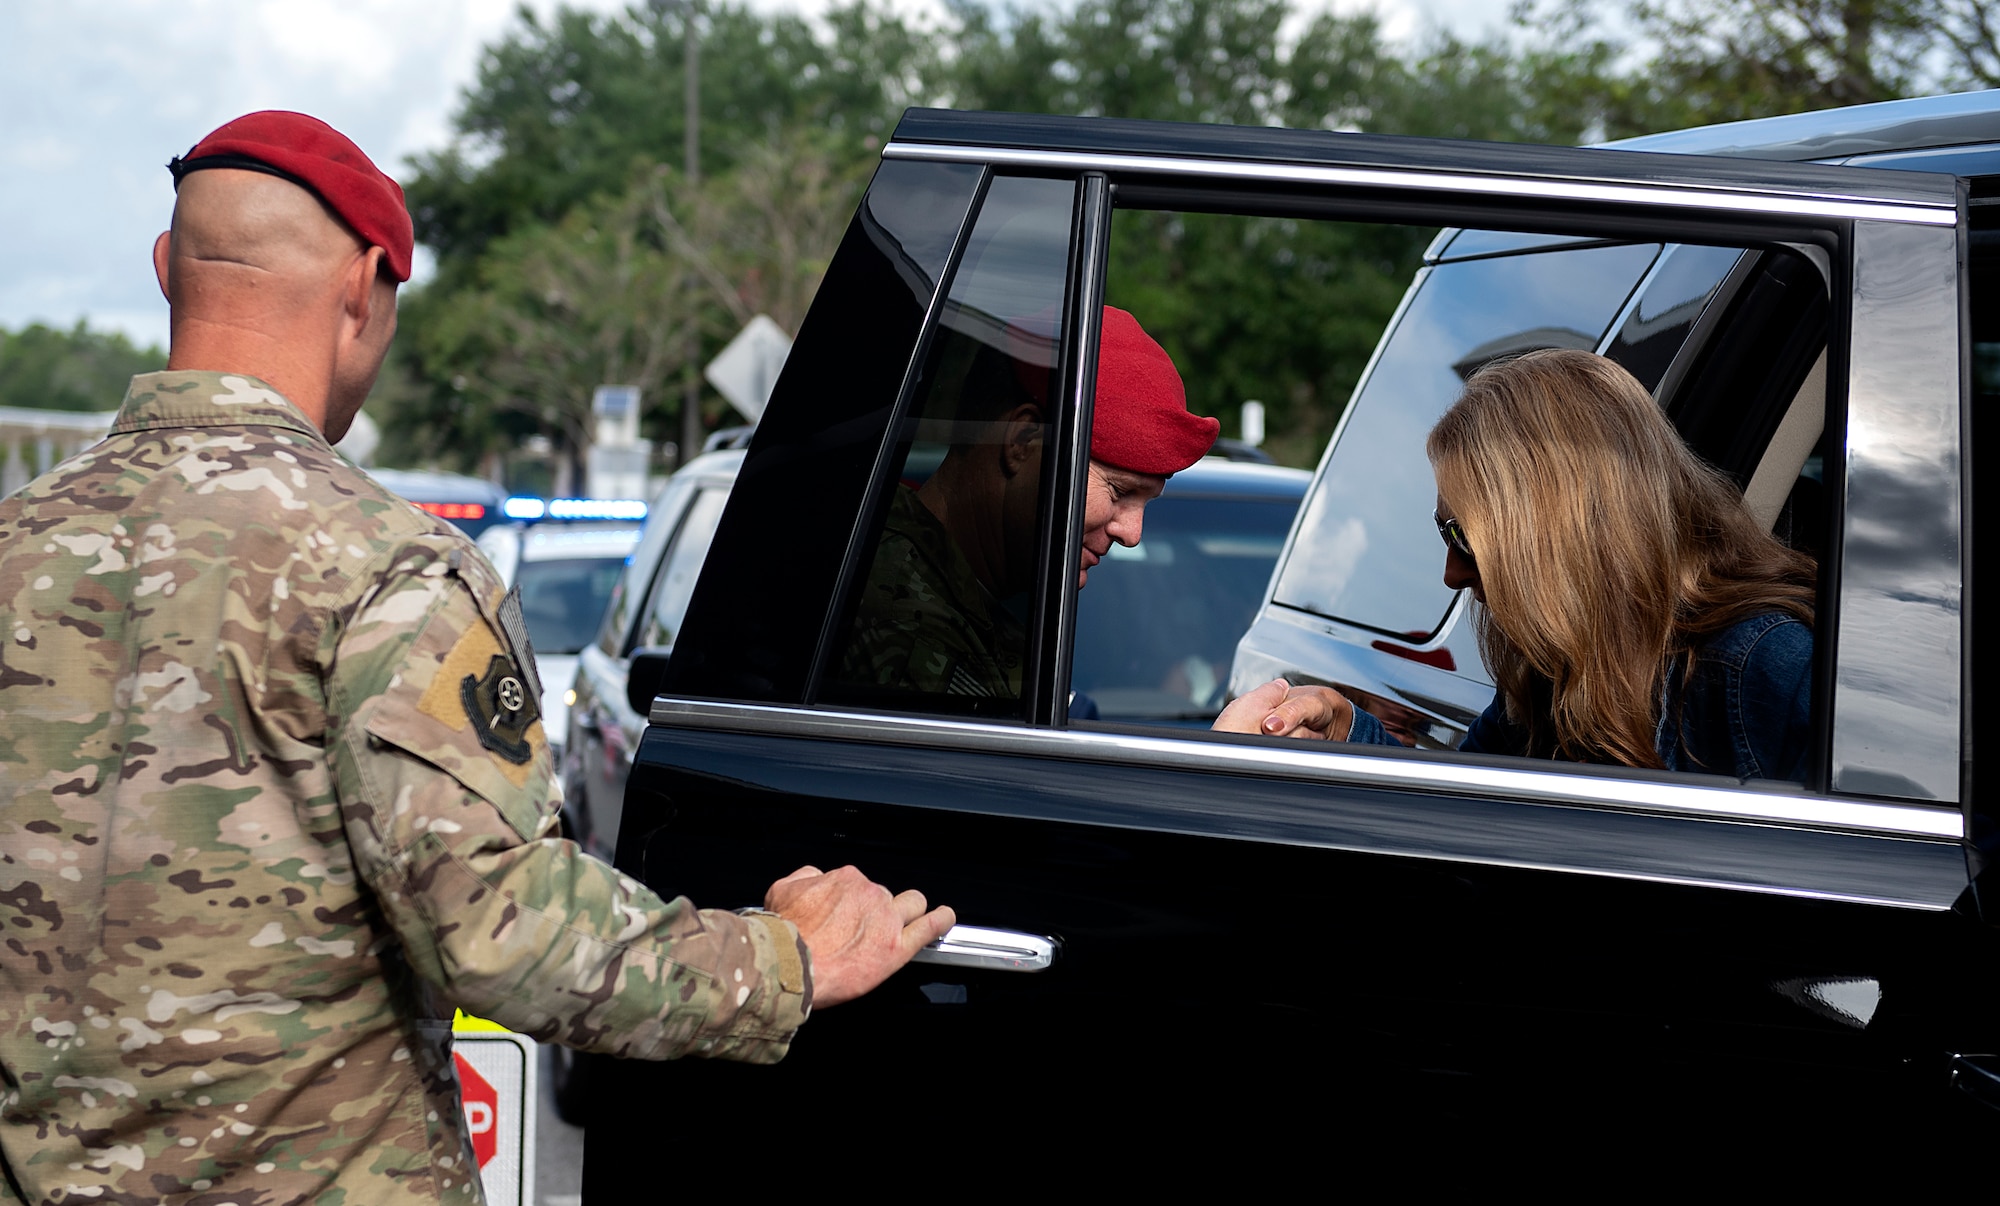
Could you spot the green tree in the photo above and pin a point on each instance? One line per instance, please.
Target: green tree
(1280, 310)
(603, 296)
(78, 369)
(572, 115)
(565, 109)
(551, 313)
(1709, 61)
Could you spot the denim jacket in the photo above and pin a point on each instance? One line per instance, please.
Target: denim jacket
(1746, 712)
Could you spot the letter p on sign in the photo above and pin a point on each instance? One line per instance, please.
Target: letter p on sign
(482, 1104)
(496, 1079)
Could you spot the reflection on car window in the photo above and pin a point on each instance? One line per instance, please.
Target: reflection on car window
(1354, 556)
(562, 601)
(683, 567)
(1158, 625)
(937, 620)
(1679, 289)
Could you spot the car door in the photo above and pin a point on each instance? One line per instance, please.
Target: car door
(1408, 937)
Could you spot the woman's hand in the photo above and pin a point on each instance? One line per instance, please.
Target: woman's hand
(1278, 709)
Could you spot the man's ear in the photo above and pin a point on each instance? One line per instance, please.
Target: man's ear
(357, 288)
(163, 250)
(1023, 440)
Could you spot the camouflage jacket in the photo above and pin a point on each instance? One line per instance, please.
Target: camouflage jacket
(273, 797)
(924, 622)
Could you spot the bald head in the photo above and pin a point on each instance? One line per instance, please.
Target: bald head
(264, 279)
(233, 228)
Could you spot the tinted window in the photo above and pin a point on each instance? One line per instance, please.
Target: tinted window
(938, 616)
(1367, 552)
(783, 543)
(1467, 244)
(1157, 625)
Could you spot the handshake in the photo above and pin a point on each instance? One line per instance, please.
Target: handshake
(1278, 709)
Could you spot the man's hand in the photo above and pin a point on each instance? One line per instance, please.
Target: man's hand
(858, 934)
(1278, 709)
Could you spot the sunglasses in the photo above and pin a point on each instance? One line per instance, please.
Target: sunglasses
(1453, 535)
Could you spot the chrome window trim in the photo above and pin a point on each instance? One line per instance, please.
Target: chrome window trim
(1774, 202)
(1697, 801)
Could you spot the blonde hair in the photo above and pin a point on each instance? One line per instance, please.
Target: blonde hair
(1606, 549)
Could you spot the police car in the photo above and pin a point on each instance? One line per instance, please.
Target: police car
(565, 556)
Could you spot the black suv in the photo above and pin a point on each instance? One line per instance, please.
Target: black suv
(1190, 934)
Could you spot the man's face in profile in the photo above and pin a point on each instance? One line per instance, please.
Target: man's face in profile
(1114, 508)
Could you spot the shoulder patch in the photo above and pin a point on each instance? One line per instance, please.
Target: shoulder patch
(481, 685)
(501, 707)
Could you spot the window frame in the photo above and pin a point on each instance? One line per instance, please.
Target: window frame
(1760, 206)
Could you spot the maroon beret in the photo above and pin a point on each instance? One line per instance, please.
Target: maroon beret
(320, 159)
(1142, 422)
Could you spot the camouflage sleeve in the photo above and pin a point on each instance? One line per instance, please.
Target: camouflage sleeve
(449, 803)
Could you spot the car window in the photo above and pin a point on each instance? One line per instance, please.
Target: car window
(1366, 552)
(675, 584)
(629, 595)
(937, 612)
(563, 600)
(1731, 340)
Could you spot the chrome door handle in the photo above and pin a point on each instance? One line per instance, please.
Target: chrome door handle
(997, 950)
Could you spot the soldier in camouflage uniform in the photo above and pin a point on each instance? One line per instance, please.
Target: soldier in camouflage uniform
(931, 618)
(277, 797)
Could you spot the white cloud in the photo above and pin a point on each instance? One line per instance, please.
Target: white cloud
(98, 95)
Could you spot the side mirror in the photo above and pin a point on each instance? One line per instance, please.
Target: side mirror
(643, 676)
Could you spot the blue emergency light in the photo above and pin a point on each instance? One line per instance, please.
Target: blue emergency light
(527, 509)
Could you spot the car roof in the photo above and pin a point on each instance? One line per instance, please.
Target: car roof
(563, 541)
(1041, 140)
(721, 463)
(1212, 476)
(1837, 134)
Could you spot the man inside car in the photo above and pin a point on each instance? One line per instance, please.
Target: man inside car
(933, 615)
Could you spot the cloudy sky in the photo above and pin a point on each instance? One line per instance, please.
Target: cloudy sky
(98, 94)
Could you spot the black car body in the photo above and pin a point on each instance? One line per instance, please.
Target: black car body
(1418, 937)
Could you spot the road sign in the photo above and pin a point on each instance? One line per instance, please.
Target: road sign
(496, 1079)
(746, 371)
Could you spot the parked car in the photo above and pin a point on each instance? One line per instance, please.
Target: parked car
(1190, 937)
(566, 573)
(1157, 628)
(471, 503)
(641, 616)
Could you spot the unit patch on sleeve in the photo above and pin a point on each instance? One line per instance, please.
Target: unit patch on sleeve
(479, 683)
(501, 707)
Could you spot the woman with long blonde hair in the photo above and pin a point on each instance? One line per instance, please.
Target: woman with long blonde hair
(1631, 610)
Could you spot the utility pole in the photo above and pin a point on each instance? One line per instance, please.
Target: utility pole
(690, 441)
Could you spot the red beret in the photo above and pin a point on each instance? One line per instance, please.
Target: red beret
(320, 159)
(1142, 422)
